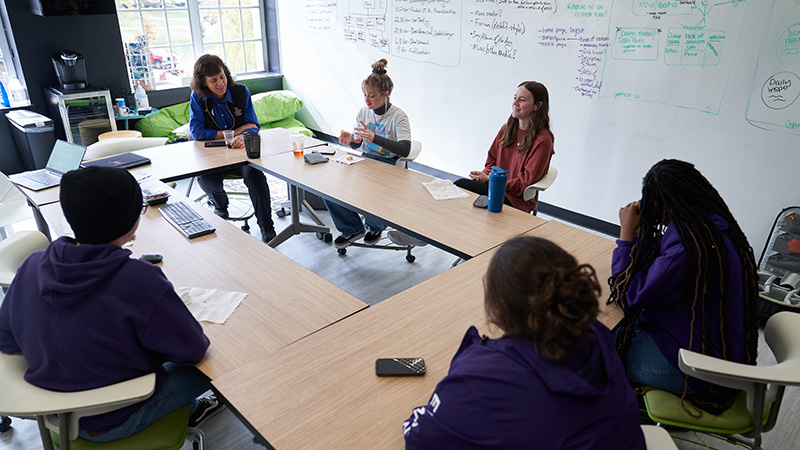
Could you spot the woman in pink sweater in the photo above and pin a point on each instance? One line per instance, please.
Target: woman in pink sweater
(523, 146)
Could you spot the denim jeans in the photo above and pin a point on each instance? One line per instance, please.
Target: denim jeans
(347, 221)
(649, 367)
(182, 387)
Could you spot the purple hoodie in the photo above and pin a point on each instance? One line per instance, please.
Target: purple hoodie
(666, 316)
(501, 394)
(87, 316)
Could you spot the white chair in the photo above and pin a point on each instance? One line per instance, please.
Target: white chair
(59, 412)
(14, 205)
(416, 147)
(532, 191)
(657, 438)
(762, 387)
(14, 251)
(115, 146)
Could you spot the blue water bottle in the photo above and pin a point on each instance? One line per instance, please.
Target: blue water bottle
(4, 96)
(497, 188)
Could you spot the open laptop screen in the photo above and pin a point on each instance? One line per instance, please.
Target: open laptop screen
(65, 157)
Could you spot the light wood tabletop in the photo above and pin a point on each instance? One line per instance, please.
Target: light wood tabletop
(397, 197)
(185, 159)
(590, 249)
(323, 388)
(284, 300)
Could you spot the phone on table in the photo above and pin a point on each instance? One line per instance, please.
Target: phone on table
(214, 144)
(399, 367)
(481, 202)
(326, 149)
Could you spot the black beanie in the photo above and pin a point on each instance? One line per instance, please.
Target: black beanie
(100, 203)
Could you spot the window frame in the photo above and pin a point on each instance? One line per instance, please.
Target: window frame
(197, 44)
(8, 48)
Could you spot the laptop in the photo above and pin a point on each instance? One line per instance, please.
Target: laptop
(64, 157)
(122, 161)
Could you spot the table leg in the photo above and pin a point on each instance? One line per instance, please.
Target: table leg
(296, 227)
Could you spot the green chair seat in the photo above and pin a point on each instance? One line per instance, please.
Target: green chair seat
(168, 433)
(665, 408)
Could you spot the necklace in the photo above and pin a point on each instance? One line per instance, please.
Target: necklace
(379, 117)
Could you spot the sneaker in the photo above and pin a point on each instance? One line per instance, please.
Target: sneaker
(207, 407)
(345, 241)
(222, 213)
(372, 237)
(268, 234)
(405, 240)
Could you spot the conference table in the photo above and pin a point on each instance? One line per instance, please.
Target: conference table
(186, 159)
(284, 302)
(323, 388)
(175, 162)
(296, 358)
(283, 309)
(398, 198)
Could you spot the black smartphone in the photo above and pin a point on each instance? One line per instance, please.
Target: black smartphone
(481, 202)
(399, 367)
(326, 149)
(214, 144)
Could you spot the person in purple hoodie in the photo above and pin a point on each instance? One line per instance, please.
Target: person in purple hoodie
(685, 277)
(553, 380)
(86, 315)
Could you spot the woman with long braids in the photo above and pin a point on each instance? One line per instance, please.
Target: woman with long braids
(685, 277)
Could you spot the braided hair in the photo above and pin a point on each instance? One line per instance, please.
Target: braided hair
(676, 192)
(535, 290)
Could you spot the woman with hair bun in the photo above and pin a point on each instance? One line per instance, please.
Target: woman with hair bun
(553, 380)
(383, 133)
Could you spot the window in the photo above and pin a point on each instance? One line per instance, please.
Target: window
(163, 38)
(10, 72)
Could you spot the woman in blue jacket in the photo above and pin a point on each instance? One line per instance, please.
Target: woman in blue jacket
(219, 103)
(552, 381)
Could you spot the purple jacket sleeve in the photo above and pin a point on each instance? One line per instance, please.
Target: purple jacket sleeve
(8, 343)
(174, 333)
(451, 420)
(661, 283)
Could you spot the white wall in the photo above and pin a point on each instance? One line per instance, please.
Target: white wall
(631, 82)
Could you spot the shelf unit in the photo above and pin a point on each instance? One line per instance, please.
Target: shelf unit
(140, 66)
(76, 107)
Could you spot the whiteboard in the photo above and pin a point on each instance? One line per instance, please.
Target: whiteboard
(631, 82)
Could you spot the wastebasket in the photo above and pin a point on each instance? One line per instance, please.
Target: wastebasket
(34, 135)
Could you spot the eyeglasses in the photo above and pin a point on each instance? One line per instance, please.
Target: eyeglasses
(144, 207)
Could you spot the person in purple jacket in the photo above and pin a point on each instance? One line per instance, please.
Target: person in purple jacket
(553, 381)
(685, 277)
(85, 314)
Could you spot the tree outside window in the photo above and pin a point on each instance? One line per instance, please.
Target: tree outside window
(163, 38)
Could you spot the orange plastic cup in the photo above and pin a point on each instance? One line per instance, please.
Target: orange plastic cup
(297, 144)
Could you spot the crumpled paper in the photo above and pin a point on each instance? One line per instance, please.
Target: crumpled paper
(210, 305)
(348, 159)
(444, 189)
